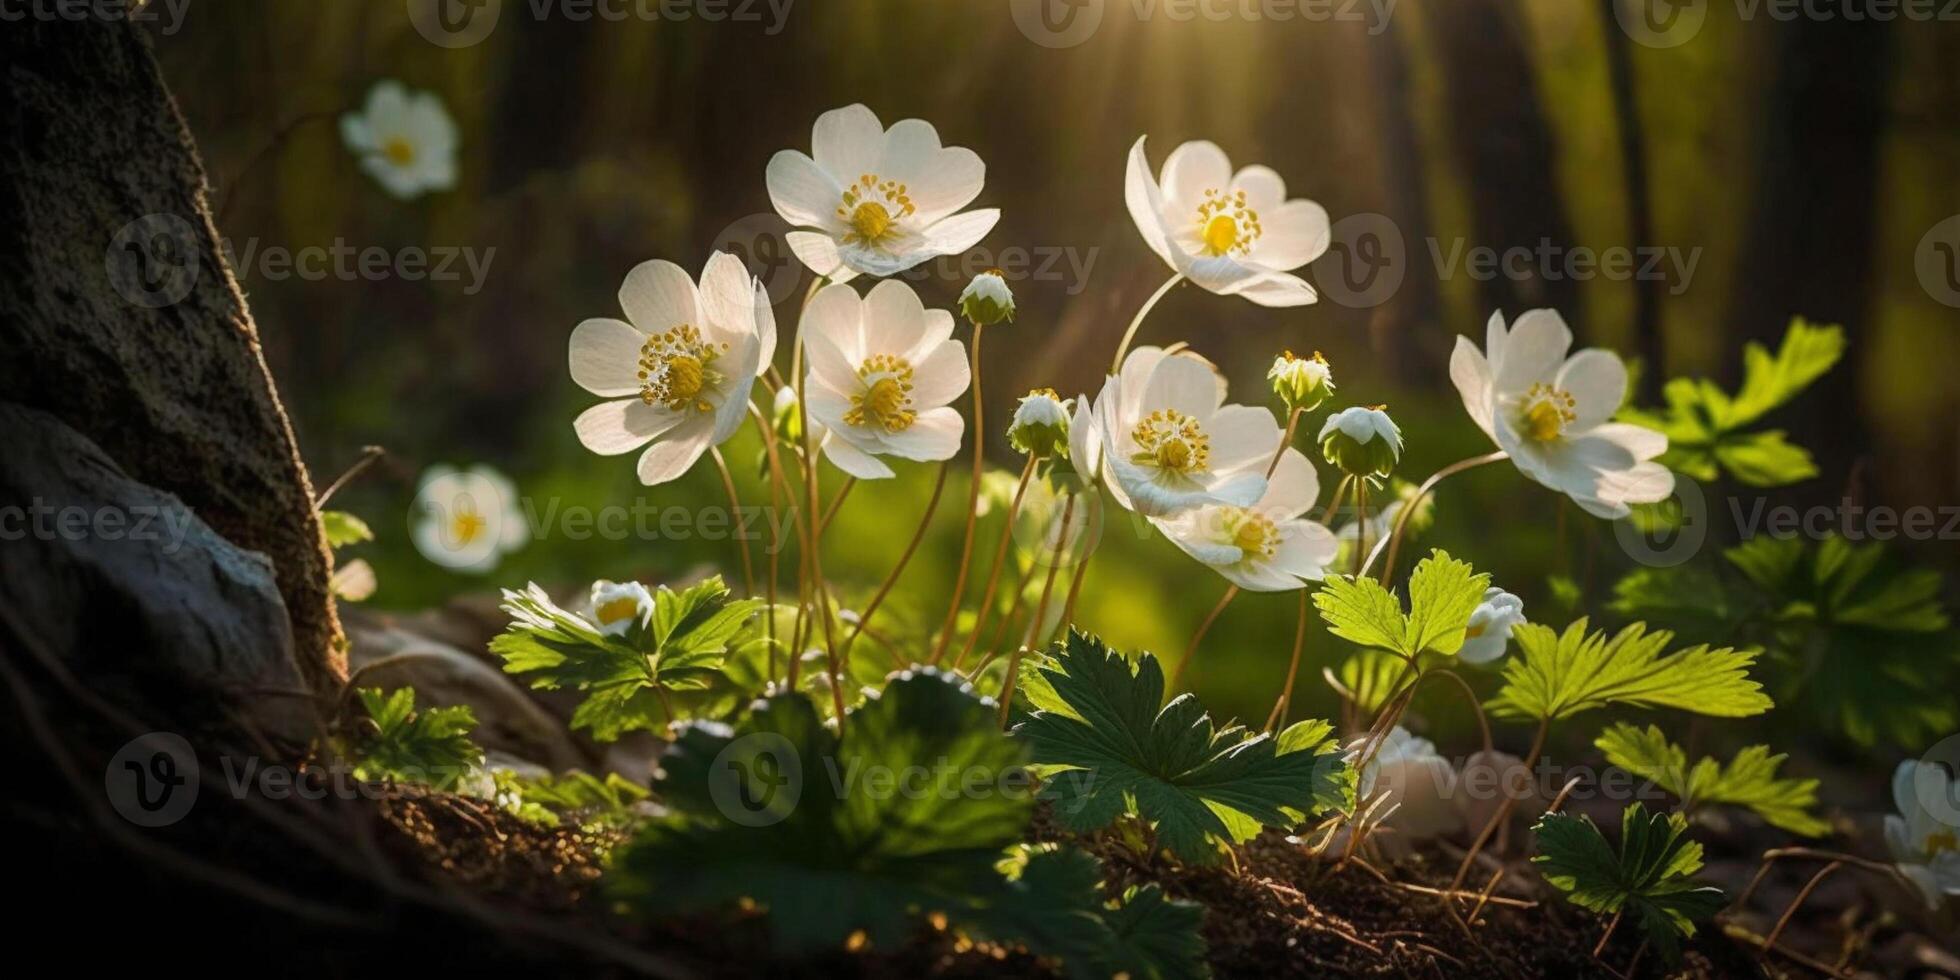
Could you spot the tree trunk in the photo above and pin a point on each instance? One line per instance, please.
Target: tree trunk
(120, 315)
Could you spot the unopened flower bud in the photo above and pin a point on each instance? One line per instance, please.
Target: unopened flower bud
(987, 300)
(1041, 424)
(1301, 382)
(1362, 441)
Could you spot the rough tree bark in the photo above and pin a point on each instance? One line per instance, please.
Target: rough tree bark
(119, 313)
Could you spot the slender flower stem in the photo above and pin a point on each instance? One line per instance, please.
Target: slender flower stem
(836, 503)
(1334, 502)
(813, 498)
(884, 589)
(1054, 565)
(1191, 649)
(1277, 719)
(1000, 556)
(1075, 590)
(1394, 541)
(1503, 810)
(778, 492)
(368, 455)
(972, 505)
(1607, 936)
(735, 515)
(1292, 425)
(1123, 348)
(1360, 522)
(1802, 894)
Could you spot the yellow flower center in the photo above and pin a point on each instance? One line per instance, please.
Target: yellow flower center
(676, 366)
(1473, 631)
(886, 401)
(1547, 411)
(1173, 441)
(615, 610)
(1940, 843)
(873, 207)
(466, 525)
(1256, 535)
(1226, 224)
(399, 151)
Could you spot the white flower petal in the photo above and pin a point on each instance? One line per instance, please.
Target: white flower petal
(954, 235)
(818, 253)
(1534, 350)
(1295, 233)
(727, 300)
(853, 460)
(894, 319)
(848, 142)
(942, 376)
(673, 456)
(1292, 488)
(1306, 550)
(1264, 191)
(1597, 382)
(803, 193)
(1183, 384)
(659, 295)
(1278, 290)
(1243, 436)
(612, 428)
(1192, 169)
(605, 357)
(1471, 375)
(1085, 442)
(934, 435)
(1145, 200)
(836, 314)
(938, 181)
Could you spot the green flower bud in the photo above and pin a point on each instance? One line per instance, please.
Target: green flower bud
(786, 419)
(1040, 426)
(1362, 441)
(987, 299)
(1301, 382)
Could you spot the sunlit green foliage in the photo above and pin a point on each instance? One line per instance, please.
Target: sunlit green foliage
(430, 746)
(1650, 876)
(343, 529)
(1107, 745)
(1558, 675)
(1749, 780)
(1443, 593)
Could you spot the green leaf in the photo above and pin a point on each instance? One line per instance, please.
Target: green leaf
(1110, 749)
(1707, 428)
(1052, 902)
(431, 746)
(1859, 641)
(343, 529)
(681, 648)
(586, 797)
(1749, 780)
(1557, 675)
(871, 830)
(1443, 593)
(1370, 677)
(1650, 876)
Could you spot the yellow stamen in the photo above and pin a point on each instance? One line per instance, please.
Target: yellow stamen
(1547, 411)
(624, 607)
(1941, 842)
(1173, 441)
(1256, 535)
(677, 367)
(466, 525)
(886, 401)
(873, 207)
(1226, 224)
(399, 151)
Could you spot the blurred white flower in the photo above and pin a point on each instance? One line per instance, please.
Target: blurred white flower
(1419, 783)
(1233, 234)
(617, 607)
(466, 520)
(1925, 835)
(1490, 627)
(406, 141)
(1170, 443)
(877, 201)
(1552, 414)
(681, 370)
(883, 372)
(1267, 547)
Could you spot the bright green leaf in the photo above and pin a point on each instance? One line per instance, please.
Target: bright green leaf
(1557, 675)
(343, 529)
(430, 746)
(1749, 780)
(1443, 593)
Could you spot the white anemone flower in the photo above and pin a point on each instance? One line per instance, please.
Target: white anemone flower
(1490, 627)
(467, 520)
(1925, 835)
(1418, 782)
(883, 373)
(1269, 546)
(1170, 443)
(618, 607)
(680, 370)
(1085, 442)
(877, 201)
(1552, 414)
(1235, 234)
(406, 141)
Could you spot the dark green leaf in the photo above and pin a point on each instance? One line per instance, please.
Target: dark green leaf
(1650, 876)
